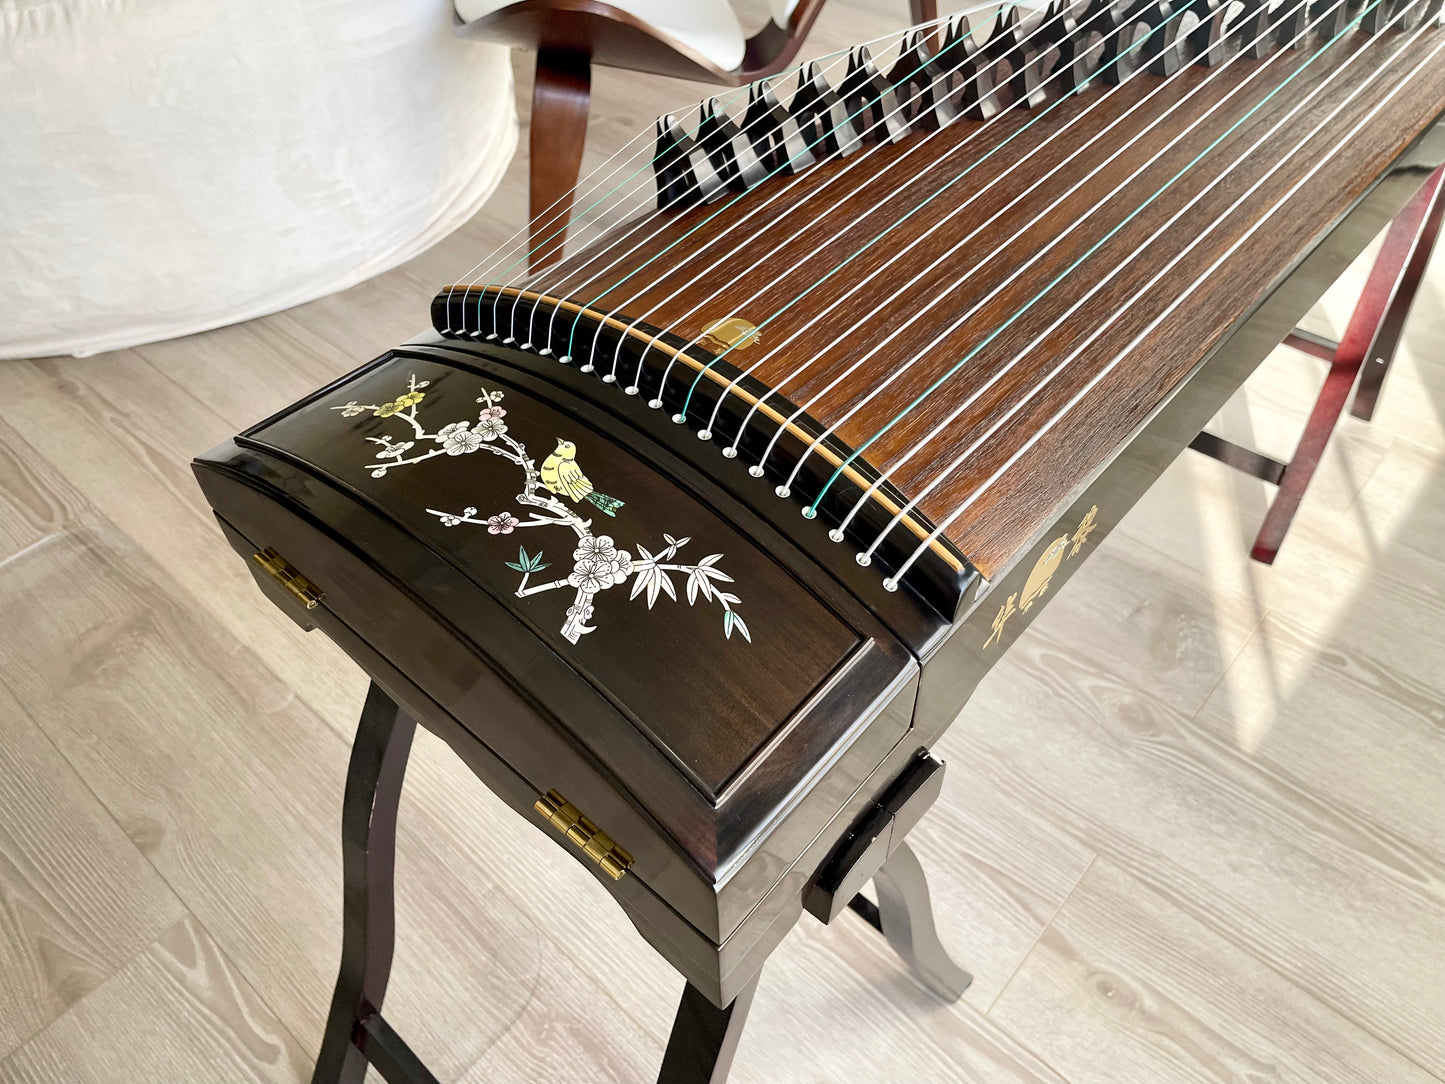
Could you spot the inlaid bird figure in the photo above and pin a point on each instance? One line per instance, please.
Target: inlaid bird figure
(561, 475)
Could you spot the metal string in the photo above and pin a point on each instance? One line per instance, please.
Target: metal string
(1062, 276)
(892, 582)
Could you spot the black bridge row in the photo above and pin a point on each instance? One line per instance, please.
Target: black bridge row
(1029, 58)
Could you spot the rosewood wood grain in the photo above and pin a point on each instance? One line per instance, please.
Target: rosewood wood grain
(695, 277)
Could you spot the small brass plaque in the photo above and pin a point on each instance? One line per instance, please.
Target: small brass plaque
(732, 333)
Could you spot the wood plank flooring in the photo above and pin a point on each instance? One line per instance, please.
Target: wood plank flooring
(1193, 827)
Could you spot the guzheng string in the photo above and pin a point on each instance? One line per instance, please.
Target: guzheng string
(777, 388)
(622, 211)
(984, 437)
(620, 206)
(658, 212)
(1432, 58)
(754, 211)
(519, 240)
(661, 225)
(1090, 252)
(1064, 72)
(528, 247)
(880, 122)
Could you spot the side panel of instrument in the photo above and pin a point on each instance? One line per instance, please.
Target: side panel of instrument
(999, 611)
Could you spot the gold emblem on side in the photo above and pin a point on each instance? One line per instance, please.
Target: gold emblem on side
(1048, 564)
(732, 333)
(1086, 528)
(1043, 572)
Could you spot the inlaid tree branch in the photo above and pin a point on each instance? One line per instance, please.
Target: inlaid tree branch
(597, 564)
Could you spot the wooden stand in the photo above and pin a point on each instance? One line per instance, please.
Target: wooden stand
(1367, 348)
(704, 1038)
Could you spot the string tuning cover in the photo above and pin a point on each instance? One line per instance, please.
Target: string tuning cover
(921, 85)
(975, 94)
(732, 153)
(870, 100)
(774, 133)
(822, 117)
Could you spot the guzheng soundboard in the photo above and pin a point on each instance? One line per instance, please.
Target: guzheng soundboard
(694, 542)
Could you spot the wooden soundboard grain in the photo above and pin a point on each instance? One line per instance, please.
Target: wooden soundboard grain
(684, 275)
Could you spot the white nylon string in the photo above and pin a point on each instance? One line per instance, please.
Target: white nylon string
(863, 156)
(777, 388)
(1007, 245)
(782, 275)
(1023, 268)
(645, 135)
(495, 255)
(892, 582)
(659, 215)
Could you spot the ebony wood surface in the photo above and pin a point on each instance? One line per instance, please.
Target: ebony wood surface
(709, 722)
(776, 225)
(368, 847)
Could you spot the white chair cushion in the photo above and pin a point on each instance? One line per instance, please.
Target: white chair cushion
(168, 166)
(707, 27)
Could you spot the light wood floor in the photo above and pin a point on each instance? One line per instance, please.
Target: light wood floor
(1193, 827)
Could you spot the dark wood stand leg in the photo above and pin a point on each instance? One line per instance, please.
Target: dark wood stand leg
(355, 1032)
(904, 915)
(704, 1038)
(560, 100)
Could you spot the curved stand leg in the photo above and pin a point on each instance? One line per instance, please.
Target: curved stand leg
(704, 1038)
(368, 841)
(905, 916)
(560, 99)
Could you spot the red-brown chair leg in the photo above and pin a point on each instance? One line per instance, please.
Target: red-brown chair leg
(925, 11)
(1432, 199)
(1367, 325)
(560, 100)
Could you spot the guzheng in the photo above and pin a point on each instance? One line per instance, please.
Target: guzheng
(698, 535)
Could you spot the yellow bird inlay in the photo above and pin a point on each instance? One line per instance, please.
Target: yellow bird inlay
(561, 475)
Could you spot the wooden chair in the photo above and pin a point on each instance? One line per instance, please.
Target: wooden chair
(699, 40)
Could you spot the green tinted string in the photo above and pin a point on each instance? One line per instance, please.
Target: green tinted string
(1076, 264)
(571, 338)
(687, 401)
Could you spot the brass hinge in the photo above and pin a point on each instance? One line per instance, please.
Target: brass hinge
(595, 843)
(306, 592)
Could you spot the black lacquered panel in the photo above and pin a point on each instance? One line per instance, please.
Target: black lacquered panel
(616, 568)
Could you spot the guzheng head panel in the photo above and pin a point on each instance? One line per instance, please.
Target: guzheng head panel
(590, 652)
(633, 581)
